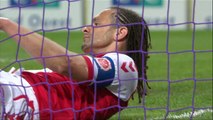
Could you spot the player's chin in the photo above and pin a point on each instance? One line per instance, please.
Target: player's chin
(85, 48)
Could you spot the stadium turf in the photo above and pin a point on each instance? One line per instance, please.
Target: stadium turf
(179, 74)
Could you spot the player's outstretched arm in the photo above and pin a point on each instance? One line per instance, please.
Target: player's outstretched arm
(41, 47)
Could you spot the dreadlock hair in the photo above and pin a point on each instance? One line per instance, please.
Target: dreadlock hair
(138, 43)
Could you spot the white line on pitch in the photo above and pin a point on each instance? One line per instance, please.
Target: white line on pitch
(186, 114)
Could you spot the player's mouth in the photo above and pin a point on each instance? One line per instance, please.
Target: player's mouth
(86, 37)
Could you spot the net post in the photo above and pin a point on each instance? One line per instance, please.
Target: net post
(189, 13)
(84, 11)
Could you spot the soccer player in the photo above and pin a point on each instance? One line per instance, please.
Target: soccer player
(93, 86)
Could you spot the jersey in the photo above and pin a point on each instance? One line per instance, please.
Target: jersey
(61, 98)
(111, 81)
(17, 98)
(115, 71)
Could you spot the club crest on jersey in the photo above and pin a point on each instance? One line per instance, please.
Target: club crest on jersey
(104, 64)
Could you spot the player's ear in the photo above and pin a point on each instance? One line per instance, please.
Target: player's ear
(121, 33)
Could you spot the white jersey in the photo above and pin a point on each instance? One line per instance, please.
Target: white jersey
(18, 98)
(115, 71)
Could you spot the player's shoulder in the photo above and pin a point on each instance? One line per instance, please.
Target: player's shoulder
(118, 56)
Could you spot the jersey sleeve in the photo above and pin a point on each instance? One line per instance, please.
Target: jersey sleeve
(101, 70)
(126, 76)
(117, 72)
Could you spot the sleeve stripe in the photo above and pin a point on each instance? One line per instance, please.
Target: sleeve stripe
(90, 68)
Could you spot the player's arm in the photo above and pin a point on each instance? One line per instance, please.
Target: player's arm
(40, 47)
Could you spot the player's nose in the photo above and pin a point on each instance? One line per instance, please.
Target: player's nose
(85, 29)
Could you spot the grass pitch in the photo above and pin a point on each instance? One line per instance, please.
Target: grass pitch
(180, 72)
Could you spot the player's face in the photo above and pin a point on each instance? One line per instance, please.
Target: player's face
(99, 36)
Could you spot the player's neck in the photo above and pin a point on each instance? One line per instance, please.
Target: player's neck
(111, 48)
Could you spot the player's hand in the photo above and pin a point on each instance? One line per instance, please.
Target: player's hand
(3, 22)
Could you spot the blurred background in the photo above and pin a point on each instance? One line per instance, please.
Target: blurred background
(54, 14)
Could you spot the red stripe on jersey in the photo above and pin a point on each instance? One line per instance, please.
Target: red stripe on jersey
(29, 103)
(131, 66)
(90, 68)
(123, 67)
(21, 97)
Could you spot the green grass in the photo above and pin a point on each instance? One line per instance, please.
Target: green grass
(189, 72)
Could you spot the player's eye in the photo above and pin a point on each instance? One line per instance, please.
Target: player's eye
(96, 24)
